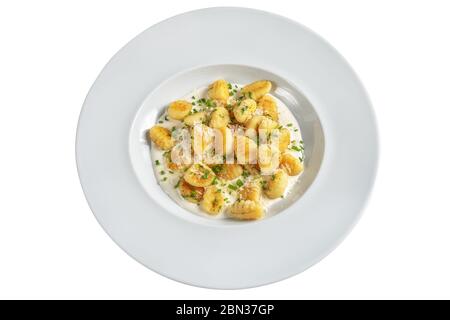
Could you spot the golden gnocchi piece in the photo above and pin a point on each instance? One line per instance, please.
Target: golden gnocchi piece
(219, 118)
(199, 175)
(218, 90)
(268, 158)
(189, 192)
(227, 171)
(161, 137)
(195, 118)
(267, 124)
(179, 109)
(257, 89)
(292, 165)
(269, 107)
(224, 143)
(246, 210)
(253, 123)
(284, 139)
(203, 138)
(244, 111)
(245, 149)
(213, 201)
(252, 169)
(251, 191)
(276, 184)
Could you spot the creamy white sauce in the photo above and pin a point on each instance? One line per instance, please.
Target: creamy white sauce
(168, 179)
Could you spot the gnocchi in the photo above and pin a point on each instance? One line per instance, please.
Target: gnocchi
(269, 107)
(245, 150)
(213, 201)
(218, 90)
(267, 124)
(284, 139)
(223, 142)
(246, 210)
(215, 150)
(195, 118)
(199, 175)
(179, 109)
(227, 171)
(257, 89)
(251, 191)
(276, 184)
(191, 193)
(292, 165)
(161, 137)
(252, 169)
(244, 110)
(253, 122)
(219, 118)
(268, 158)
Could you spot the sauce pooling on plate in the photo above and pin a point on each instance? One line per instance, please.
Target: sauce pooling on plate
(227, 151)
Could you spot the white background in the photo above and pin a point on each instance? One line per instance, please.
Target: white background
(52, 247)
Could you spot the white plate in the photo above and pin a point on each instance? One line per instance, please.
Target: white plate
(242, 45)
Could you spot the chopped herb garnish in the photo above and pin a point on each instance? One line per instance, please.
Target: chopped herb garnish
(193, 97)
(214, 182)
(229, 86)
(178, 184)
(295, 148)
(245, 173)
(165, 179)
(289, 125)
(239, 183)
(160, 121)
(205, 175)
(217, 168)
(162, 172)
(232, 187)
(157, 162)
(171, 172)
(264, 184)
(165, 118)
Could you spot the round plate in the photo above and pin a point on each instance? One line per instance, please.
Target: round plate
(174, 242)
